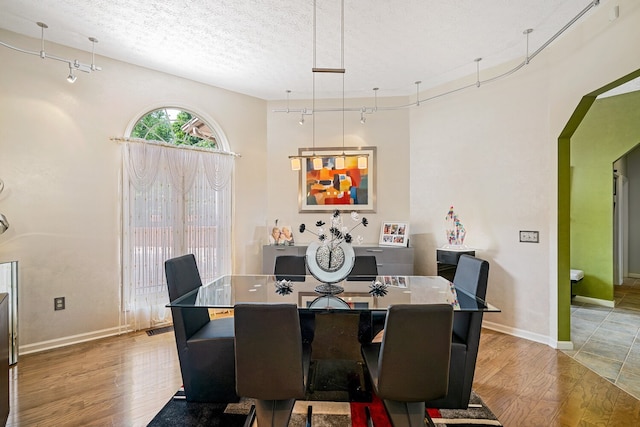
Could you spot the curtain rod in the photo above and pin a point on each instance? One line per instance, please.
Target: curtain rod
(120, 139)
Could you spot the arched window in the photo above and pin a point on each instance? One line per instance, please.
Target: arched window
(176, 201)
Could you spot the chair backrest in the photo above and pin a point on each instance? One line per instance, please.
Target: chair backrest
(268, 348)
(290, 267)
(365, 267)
(183, 277)
(413, 365)
(472, 275)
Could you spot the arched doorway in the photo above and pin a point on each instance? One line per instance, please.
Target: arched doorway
(564, 204)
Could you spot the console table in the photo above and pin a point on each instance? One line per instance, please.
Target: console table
(391, 261)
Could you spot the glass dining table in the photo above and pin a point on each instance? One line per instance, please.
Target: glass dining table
(353, 316)
(360, 293)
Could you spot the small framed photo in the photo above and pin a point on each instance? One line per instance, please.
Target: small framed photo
(394, 233)
(281, 236)
(397, 281)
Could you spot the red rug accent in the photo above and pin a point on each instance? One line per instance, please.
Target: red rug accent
(376, 409)
(434, 413)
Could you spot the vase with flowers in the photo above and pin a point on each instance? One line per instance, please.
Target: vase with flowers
(331, 258)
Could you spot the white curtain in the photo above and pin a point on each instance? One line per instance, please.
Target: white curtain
(175, 202)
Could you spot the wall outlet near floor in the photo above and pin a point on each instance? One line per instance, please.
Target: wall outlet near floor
(58, 303)
(530, 236)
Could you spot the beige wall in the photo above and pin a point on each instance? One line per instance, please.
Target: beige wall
(388, 131)
(492, 153)
(61, 173)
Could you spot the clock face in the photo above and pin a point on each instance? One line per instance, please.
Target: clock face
(328, 259)
(330, 265)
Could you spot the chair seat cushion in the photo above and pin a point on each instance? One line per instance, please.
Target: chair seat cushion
(218, 328)
(456, 340)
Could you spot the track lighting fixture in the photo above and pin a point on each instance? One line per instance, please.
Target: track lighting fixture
(71, 78)
(74, 64)
(477, 83)
(340, 160)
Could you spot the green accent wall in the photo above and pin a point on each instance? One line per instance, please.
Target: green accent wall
(564, 217)
(609, 129)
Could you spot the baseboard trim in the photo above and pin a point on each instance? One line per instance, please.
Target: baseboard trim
(73, 339)
(634, 275)
(531, 336)
(594, 301)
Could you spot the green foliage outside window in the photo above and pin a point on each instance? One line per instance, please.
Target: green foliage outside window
(168, 125)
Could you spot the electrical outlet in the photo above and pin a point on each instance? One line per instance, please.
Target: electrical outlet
(58, 303)
(530, 236)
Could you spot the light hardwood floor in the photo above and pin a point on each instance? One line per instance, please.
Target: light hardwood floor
(125, 380)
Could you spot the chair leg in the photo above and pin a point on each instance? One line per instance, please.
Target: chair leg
(309, 415)
(251, 416)
(274, 413)
(405, 414)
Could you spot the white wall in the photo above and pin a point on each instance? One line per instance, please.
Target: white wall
(61, 173)
(492, 153)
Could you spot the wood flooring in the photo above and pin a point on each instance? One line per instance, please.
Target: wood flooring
(125, 380)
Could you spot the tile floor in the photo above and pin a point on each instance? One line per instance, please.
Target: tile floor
(607, 340)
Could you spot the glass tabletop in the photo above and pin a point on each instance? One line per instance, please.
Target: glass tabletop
(359, 293)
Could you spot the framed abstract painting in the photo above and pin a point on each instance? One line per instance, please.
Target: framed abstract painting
(324, 187)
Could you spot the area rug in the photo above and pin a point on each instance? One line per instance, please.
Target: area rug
(325, 414)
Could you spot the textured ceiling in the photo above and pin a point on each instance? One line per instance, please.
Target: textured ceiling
(265, 47)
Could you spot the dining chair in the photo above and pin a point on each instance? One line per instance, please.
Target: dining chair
(290, 267)
(205, 346)
(365, 267)
(411, 364)
(272, 363)
(294, 268)
(471, 277)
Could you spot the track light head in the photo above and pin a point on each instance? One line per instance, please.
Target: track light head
(71, 78)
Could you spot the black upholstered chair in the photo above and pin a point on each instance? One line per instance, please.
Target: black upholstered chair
(271, 361)
(471, 277)
(294, 268)
(205, 346)
(290, 267)
(411, 364)
(364, 268)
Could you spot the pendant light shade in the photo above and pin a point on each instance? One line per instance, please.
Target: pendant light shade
(362, 162)
(295, 164)
(317, 163)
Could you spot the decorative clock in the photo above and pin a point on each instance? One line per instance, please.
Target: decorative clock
(331, 258)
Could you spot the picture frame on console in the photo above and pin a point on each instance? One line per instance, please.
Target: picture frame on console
(394, 233)
(328, 188)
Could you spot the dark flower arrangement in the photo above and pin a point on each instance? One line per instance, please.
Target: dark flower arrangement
(378, 289)
(337, 232)
(284, 287)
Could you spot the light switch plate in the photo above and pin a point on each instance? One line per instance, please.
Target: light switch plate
(530, 236)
